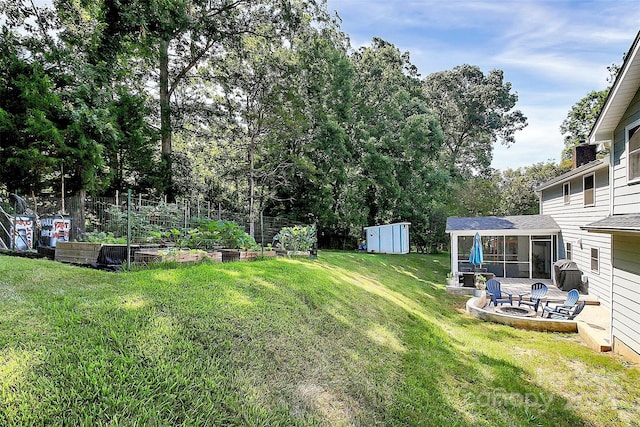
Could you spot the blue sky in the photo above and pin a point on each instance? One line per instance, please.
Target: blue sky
(553, 52)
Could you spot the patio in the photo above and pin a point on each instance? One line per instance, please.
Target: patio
(593, 324)
(554, 294)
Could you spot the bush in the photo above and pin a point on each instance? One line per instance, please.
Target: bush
(101, 237)
(212, 234)
(298, 238)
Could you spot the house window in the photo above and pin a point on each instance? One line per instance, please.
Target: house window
(589, 190)
(566, 192)
(595, 260)
(633, 165)
(569, 251)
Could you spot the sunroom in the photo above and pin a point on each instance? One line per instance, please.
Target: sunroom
(524, 246)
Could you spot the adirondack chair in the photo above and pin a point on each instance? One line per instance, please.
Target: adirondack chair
(565, 307)
(538, 291)
(570, 315)
(496, 294)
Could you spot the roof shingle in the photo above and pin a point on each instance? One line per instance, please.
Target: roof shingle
(629, 222)
(517, 222)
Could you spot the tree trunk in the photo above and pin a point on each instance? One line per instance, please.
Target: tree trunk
(165, 121)
(252, 190)
(78, 215)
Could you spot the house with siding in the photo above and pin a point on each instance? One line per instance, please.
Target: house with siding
(590, 215)
(597, 207)
(573, 200)
(618, 126)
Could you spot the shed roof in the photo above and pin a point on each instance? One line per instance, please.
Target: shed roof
(386, 225)
(517, 222)
(623, 223)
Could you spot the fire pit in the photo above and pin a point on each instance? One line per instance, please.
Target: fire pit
(515, 311)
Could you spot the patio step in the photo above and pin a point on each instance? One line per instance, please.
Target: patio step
(594, 327)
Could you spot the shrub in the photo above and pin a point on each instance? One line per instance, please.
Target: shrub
(298, 238)
(101, 237)
(228, 234)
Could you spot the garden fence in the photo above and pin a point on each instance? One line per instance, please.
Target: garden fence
(106, 217)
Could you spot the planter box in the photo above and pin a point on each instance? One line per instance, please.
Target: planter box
(77, 252)
(248, 255)
(149, 256)
(47, 252)
(215, 256)
(229, 255)
(267, 253)
(289, 254)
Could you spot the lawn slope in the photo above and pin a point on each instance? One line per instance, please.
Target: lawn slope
(347, 339)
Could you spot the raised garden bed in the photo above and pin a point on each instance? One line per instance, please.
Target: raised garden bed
(77, 252)
(162, 255)
(229, 255)
(285, 253)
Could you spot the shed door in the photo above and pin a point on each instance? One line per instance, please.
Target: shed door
(387, 245)
(373, 239)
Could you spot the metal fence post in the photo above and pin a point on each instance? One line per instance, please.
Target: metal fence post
(129, 229)
(261, 232)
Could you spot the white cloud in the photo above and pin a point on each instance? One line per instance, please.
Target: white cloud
(553, 52)
(538, 142)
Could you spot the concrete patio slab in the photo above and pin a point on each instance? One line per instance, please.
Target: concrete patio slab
(593, 325)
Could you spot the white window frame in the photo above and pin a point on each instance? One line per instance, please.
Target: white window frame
(627, 149)
(596, 259)
(593, 190)
(568, 251)
(566, 196)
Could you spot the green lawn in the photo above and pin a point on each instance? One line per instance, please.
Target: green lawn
(347, 339)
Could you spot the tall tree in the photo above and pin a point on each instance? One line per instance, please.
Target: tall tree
(182, 35)
(30, 114)
(395, 141)
(475, 111)
(316, 111)
(517, 187)
(576, 127)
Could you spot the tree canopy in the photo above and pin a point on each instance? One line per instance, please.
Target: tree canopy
(262, 106)
(475, 111)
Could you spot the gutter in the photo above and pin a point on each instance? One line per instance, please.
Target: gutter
(589, 167)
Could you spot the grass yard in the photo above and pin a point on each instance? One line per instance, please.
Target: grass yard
(347, 339)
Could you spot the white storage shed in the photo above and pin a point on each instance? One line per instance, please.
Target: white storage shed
(388, 238)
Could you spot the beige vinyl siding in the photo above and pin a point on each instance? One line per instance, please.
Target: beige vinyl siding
(626, 290)
(574, 215)
(626, 196)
